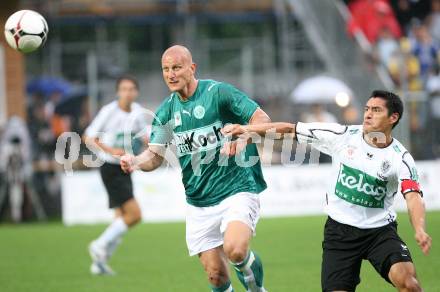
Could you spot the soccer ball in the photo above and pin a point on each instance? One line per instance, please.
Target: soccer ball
(26, 31)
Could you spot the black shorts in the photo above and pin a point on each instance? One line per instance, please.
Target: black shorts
(344, 248)
(117, 183)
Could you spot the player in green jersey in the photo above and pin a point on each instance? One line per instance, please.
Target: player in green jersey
(221, 188)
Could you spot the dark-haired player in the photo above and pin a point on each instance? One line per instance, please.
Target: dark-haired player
(116, 122)
(369, 168)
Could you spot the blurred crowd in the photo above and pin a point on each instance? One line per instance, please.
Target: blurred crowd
(28, 171)
(402, 35)
(54, 106)
(405, 35)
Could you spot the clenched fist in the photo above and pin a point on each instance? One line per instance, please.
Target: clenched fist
(128, 163)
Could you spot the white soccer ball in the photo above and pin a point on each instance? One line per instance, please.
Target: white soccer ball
(26, 31)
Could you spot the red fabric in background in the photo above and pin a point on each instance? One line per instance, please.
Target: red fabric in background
(370, 17)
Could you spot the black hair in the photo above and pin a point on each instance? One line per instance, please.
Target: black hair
(129, 78)
(392, 101)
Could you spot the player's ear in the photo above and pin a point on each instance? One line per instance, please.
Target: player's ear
(193, 68)
(393, 118)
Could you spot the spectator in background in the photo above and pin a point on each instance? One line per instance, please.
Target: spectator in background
(370, 17)
(49, 107)
(407, 11)
(40, 133)
(404, 68)
(58, 123)
(425, 49)
(386, 46)
(404, 14)
(15, 165)
(434, 20)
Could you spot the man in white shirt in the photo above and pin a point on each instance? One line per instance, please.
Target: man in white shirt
(116, 123)
(369, 168)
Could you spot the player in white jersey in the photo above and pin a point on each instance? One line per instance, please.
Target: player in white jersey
(369, 168)
(108, 134)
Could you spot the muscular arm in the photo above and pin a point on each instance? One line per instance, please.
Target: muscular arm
(259, 124)
(416, 210)
(279, 127)
(259, 117)
(148, 160)
(151, 158)
(285, 129)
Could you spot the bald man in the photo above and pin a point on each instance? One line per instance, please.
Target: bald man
(221, 189)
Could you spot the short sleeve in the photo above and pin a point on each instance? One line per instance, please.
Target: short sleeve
(161, 128)
(141, 119)
(98, 123)
(237, 102)
(408, 176)
(322, 136)
(141, 126)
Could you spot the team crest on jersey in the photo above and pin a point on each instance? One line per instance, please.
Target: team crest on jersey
(351, 151)
(386, 164)
(384, 168)
(199, 112)
(201, 139)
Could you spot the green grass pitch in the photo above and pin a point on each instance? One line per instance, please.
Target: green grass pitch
(153, 257)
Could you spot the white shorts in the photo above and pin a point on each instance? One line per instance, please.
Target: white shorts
(205, 225)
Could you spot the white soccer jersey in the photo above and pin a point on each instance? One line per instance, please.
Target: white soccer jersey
(364, 179)
(112, 122)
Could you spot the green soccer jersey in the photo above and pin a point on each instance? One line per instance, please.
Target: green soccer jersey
(194, 127)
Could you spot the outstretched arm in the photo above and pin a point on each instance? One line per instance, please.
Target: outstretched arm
(236, 130)
(148, 160)
(233, 147)
(416, 210)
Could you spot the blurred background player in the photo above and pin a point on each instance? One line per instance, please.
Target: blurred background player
(107, 133)
(369, 168)
(223, 203)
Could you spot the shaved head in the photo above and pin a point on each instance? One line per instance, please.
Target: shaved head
(178, 71)
(178, 51)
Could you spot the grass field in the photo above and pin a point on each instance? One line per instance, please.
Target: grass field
(153, 257)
